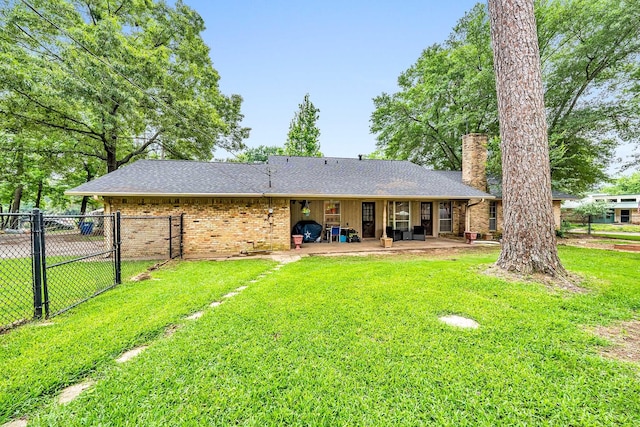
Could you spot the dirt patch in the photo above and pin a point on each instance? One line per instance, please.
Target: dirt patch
(140, 277)
(171, 329)
(569, 283)
(625, 338)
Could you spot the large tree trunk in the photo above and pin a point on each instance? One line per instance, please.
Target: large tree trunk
(529, 240)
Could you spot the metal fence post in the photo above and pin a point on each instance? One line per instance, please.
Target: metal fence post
(117, 243)
(36, 259)
(181, 233)
(43, 264)
(170, 237)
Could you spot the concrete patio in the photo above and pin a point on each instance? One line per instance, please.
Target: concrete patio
(374, 246)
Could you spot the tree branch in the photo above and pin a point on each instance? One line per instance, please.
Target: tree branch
(140, 149)
(53, 110)
(53, 125)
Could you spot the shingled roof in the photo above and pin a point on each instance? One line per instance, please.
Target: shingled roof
(178, 177)
(282, 176)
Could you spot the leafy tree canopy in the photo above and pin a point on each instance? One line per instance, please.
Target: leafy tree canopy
(259, 154)
(303, 138)
(591, 73)
(112, 81)
(625, 185)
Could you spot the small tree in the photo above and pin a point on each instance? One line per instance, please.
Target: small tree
(303, 136)
(592, 209)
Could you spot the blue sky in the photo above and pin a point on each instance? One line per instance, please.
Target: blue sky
(343, 53)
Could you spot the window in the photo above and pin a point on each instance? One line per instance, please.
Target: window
(331, 213)
(399, 213)
(493, 216)
(627, 200)
(446, 217)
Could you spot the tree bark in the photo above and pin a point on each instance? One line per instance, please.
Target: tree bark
(85, 199)
(39, 194)
(529, 240)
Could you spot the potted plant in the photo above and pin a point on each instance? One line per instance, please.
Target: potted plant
(386, 242)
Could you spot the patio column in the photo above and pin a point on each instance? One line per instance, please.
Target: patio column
(384, 219)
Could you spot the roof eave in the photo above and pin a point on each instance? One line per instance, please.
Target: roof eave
(280, 195)
(138, 194)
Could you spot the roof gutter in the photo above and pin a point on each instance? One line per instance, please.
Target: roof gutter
(280, 195)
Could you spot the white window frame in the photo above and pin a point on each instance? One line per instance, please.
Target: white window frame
(445, 220)
(493, 220)
(393, 222)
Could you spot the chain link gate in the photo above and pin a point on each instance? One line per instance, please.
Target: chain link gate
(51, 263)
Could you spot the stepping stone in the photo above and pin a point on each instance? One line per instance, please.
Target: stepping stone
(253, 281)
(230, 295)
(241, 288)
(215, 304)
(286, 259)
(71, 392)
(20, 422)
(44, 324)
(459, 321)
(128, 355)
(196, 315)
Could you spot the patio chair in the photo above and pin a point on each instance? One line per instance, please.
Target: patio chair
(394, 234)
(335, 232)
(419, 233)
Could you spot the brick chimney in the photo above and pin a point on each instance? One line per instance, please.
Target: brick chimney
(474, 160)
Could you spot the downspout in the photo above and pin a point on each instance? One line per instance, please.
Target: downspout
(467, 215)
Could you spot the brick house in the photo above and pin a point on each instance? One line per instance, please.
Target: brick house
(233, 207)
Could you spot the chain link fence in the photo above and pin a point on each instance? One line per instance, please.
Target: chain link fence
(49, 264)
(16, 285)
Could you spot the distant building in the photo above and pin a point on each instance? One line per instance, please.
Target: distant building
(623, 209)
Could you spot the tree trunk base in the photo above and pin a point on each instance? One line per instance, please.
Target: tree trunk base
(550, 267)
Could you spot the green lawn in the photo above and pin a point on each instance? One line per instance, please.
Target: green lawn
(627, 228)
(67, 284)
(357, 341)
(36, 361)
(629, 237)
